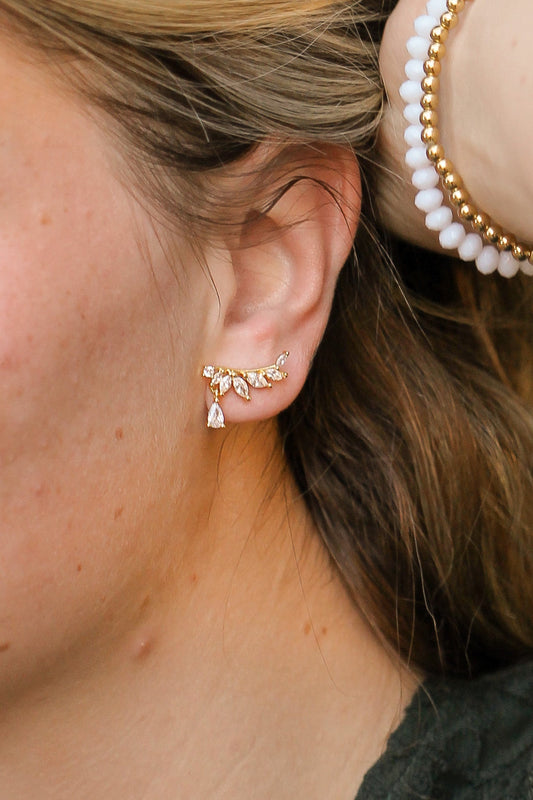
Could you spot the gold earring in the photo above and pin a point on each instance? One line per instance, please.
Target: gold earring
(222, 379)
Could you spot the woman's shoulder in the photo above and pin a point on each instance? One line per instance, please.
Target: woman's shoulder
(461, 740)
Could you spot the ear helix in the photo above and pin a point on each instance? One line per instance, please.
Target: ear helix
(225, 379)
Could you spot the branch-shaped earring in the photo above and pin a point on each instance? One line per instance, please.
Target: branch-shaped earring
(222, 379)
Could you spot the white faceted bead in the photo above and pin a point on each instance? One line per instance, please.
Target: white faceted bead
(417, 47)
(424, 25)
(416, 158)
(508, 266)
(435, 8)
(488, 260)
(439, 219)
(527, 268)
(412, 113)
(413, 135)
(471, 247)
(429, 200)
(414, 70)
(452, 236)
(411, 92)
(425, 178)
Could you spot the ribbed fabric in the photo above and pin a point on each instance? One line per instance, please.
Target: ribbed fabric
(461, 740)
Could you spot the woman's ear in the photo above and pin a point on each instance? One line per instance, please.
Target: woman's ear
(285, 266)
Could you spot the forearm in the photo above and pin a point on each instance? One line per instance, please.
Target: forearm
(485, 113)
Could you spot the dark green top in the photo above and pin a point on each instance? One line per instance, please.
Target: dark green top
(461, 740)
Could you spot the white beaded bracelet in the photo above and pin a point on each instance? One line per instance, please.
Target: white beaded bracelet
(487, 244)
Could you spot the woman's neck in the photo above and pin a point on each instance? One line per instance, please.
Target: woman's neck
(247, 673)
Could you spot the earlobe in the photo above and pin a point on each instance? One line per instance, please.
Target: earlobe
(285, 265)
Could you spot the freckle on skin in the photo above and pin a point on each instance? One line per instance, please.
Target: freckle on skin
(45, 219)
(324, 631)
(118, 513)
(4, 647)
(194, 578)
(307, 628)
(79, 568)
(119, 434)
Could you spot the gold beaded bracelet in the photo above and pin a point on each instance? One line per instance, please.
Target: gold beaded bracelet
(505, 252)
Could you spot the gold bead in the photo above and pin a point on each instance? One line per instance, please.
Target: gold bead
(455, 6)
(493, 233)
(437, 50)
(432, 67)
(430, 102)
(435, 153)
(444, 167)
(506, 242)
(430, 135)
(429, 118)
(481, 222)
(430, 84)
(459, 197)
(467, 212)
(449, 20)
(453, 181)
(520, 252)
(439, 34)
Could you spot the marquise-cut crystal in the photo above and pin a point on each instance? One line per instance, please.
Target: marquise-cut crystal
(215, 417)
(282, 360)
(241, 387)
(208, 372)
(257, 380)
(274, 374)
(224, 384)
(216, 378)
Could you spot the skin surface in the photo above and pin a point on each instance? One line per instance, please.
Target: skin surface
(485, 115)
(170, 625)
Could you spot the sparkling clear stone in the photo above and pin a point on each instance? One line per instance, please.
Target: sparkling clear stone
(216, 378)
(257, 380)
(526, 267)
(208, 372)
(282, 360)
(274, 374)
(439, 219)
(215, 417)
(425, 24)
(241, 387)
(429, 200)
(417, 47)
(452, 236)
(225, 384)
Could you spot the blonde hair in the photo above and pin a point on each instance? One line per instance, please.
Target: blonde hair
(410, 442)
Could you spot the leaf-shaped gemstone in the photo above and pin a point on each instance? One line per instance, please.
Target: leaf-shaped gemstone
(215, 380)
(282, 359)
(274, 374)
(257, 380)
(215, 417)
(224, 384)
(241, 387)
(208, 372)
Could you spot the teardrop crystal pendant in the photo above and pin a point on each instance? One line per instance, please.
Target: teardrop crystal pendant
(215, 417)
